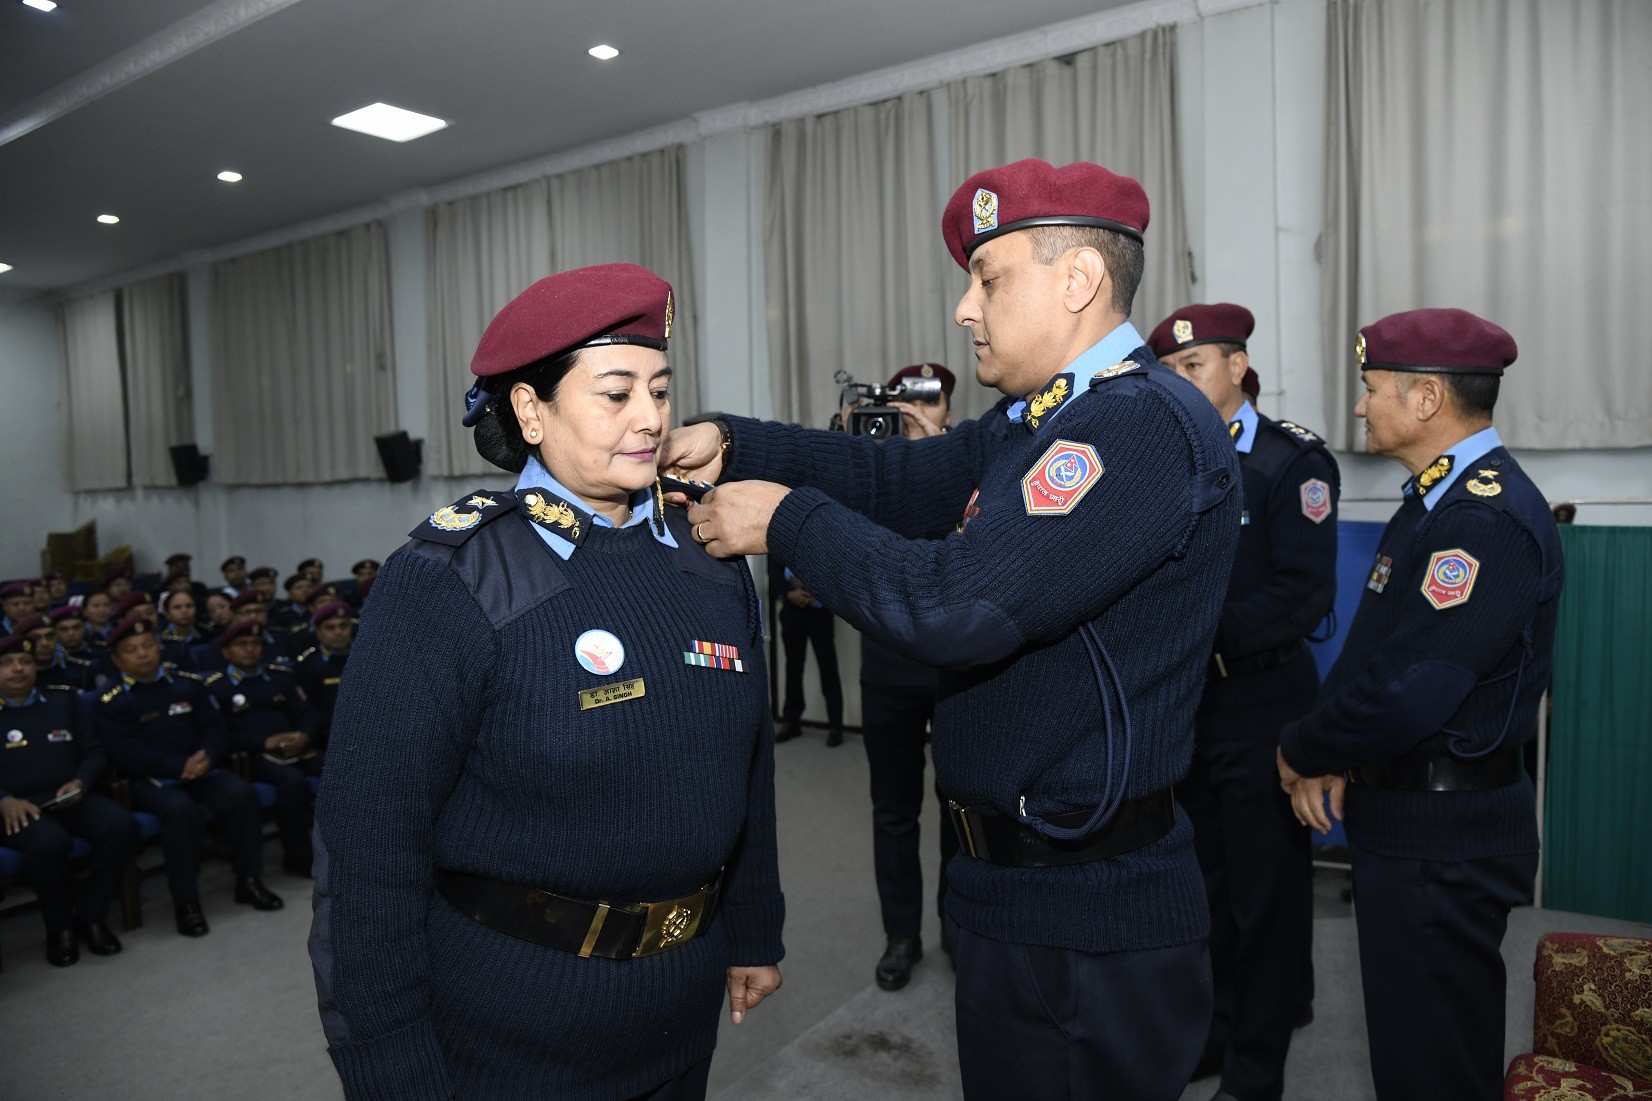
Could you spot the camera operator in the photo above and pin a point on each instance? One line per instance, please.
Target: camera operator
(897, 707)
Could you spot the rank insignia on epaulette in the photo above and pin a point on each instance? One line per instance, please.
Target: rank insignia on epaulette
(1449, 578)
(1122, 367)
(1298, 431)
(1484, 484)
(453, 524)
(1048, 400)
(1316, 500)
(1062, 477)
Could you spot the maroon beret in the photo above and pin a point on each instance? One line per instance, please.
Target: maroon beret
(240, 629)
(293, 580)
(606, 304)
(30, 623)
(19, 643)
(263, 571)
(1443, 342)
(332, 610)
(67, 611)
(124, 569)
(1035, 193)
(16, 588)
(927, 370)
(247, 596)
(1190, 326)
(327, 589)
(130, 626)
(49, 576)
(128, 602)
(176, 572)
(179, 559)
(365, 564)
(1251, 383)
(232, 560)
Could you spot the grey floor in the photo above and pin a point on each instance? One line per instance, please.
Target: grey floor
(233, 1015)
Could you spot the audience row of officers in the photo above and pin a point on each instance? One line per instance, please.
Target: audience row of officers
(186, 715)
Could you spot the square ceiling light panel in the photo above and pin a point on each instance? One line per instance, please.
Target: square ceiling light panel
(391, 123)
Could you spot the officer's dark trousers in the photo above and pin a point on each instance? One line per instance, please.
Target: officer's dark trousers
(896, 725)
(294, 804)
(178, 807)
(44, 845)
(1259, 880)
(690, 1085)
(800, 628)
(1052, 1024)
(1430, 940)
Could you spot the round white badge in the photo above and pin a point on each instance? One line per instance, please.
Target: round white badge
(14, 735)
(238, 700)
(599, 652)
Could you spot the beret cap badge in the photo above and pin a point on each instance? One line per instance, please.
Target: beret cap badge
(1359, 348)
(1182, 330)
(986, 210)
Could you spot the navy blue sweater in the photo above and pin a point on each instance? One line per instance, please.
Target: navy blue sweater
(1025, 613)
(1458, 673)
(48, 742)
(151, 728)
(458, 742)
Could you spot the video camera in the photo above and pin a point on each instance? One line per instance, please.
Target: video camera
(870, 413)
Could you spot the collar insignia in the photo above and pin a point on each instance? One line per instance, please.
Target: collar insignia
(1436, 470)
(1182, 331)
(1048, 400)
(550, 511)
(1235, 429)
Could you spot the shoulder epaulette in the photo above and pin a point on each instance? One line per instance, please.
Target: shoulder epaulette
(1107, 374)
(109, 696)
(187, 675)
(455, 523)
(279, 666)
(77, 661)
(304, 655)
(1302, 436)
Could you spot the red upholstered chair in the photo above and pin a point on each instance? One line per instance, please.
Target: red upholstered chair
(1591, 1023)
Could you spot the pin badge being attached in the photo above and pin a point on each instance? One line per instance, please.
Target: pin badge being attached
(599, 652)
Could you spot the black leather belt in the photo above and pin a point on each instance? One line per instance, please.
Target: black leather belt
(1443, 772)
(1006, 841)
(1223, 667)
(613, 930)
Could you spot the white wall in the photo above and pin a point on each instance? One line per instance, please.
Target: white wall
(1251, 109)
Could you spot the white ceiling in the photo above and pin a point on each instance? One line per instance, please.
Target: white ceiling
(512, 77)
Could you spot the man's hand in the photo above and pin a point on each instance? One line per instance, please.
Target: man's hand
(800, 598)
(694, 454)
(734, 519)
(1288, 776)
(748, 986)
(18, 813)
(196, 766)
(1308, 801)
(72, 791)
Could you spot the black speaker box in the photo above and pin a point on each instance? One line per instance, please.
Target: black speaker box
(401, 456)
(190, 466)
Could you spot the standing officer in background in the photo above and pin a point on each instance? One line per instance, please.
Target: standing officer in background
(1252, 850)
(804, 622)
(1429, 705)
(897, 700)
(1071, 619)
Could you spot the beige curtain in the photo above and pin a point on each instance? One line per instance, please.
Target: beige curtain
(1494, 155)
(157, 376)
(483, 251)
(855, 267)
(1114, 105)
(302, 377)
(93, 402)
(634, 210)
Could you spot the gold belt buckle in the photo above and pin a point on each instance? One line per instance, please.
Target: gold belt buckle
(671, 923)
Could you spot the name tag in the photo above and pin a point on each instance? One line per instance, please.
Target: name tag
(333, 682)
(611, 693)
(180, 708)
(60, 736)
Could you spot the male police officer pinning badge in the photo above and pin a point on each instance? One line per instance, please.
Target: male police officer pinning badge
(1059, 481)
(1449, 578)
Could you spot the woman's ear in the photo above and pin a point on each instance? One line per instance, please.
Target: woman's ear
(525, 403)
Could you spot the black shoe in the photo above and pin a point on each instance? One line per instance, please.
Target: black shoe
(61, 949)
(298, 868)
(895, 969)
(251, 890)
(1304, 1015)
(788, 732)
(100, 939)
(191, 922)
(834, 736)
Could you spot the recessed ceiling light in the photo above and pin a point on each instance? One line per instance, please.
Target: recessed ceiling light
(229, 176)
(4, 268)
(40, 5)
(392, 123)
(108, 219)
(603, 52)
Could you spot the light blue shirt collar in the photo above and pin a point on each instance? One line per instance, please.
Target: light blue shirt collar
(534, 475)
(1110, 349)
(1464, 455)
(236, 676)
(1247, 429)
(33, 698)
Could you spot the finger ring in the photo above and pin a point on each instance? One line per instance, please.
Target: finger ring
(698, 538)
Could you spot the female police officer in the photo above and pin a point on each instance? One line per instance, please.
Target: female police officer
(546, 831)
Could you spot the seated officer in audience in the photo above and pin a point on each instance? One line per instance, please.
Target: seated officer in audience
(1253, 852)
(320, 669)
(267, 717)
(219, 613)
(117, 582)
(56, 668)
(135, 602)
(179, 635)
(177, 580)
(262, 582)
(99, 619)
(234, 569)
(365, 570)
(164, 730)
(248, 606)
(42, 598)
(313, 569)
(57, 587)
(1430, 704)
(17, 600)
(287, 616)
(69, 622)
(48, 766)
